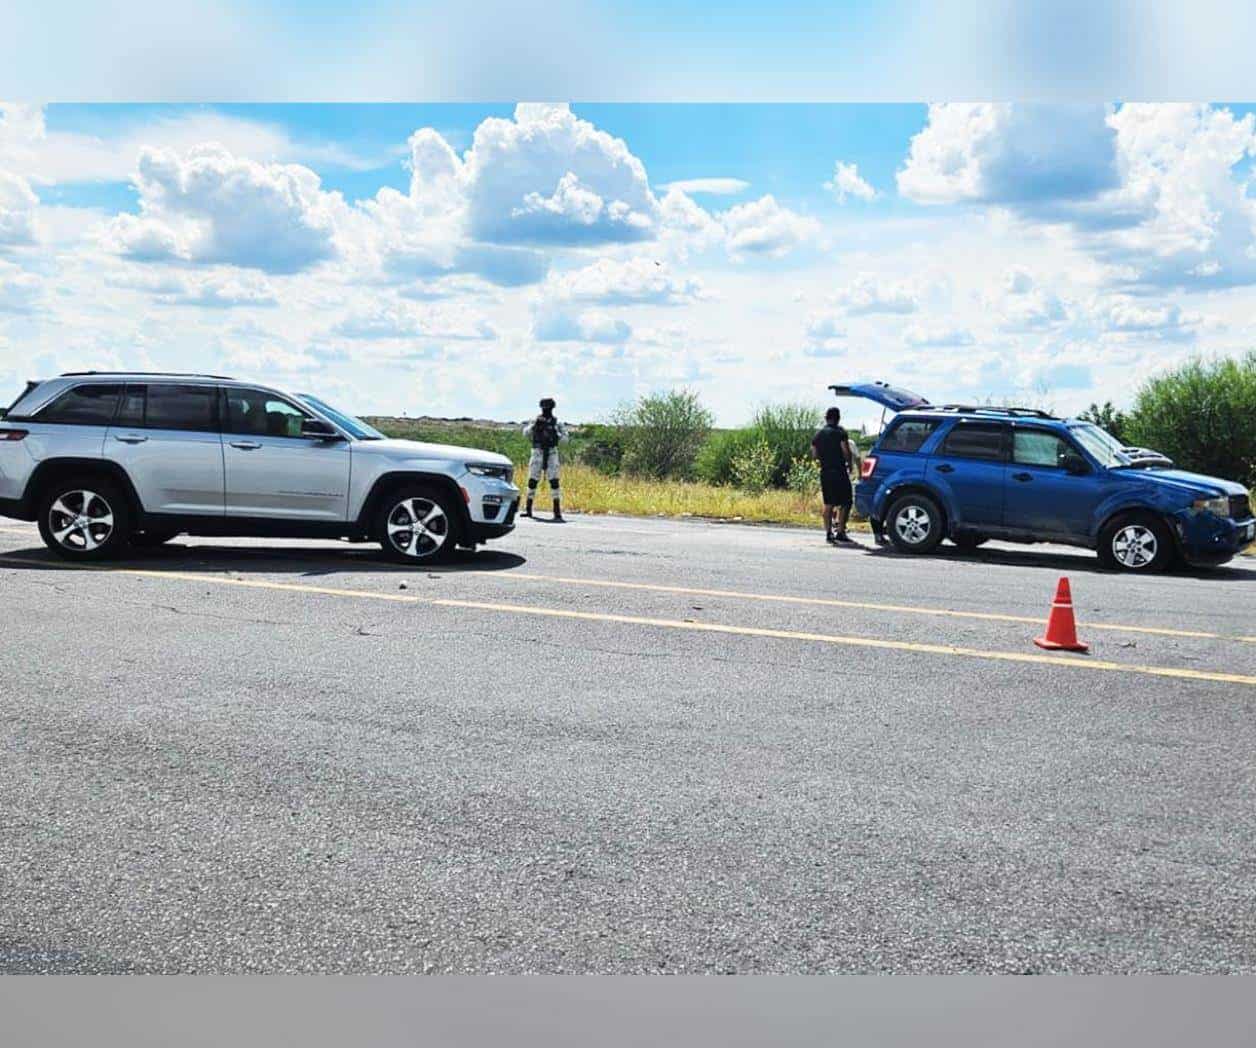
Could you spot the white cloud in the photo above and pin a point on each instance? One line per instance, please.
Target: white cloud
(226, 291)
(554, 323)
(17, 210)
(920, 336)
(1005, 153)
(846, 182)
(764, 227)
(868, 294)
(821, 326)
(20, 292)
(713, 186)
(544, 178)
(612, 282)
(209, 206)
(1132, 317)
(389, 320)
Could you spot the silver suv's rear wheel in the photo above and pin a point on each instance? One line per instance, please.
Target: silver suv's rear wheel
(84, 518)
(417, 524)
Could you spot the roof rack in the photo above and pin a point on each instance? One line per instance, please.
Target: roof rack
(161, 374)
(989, 409)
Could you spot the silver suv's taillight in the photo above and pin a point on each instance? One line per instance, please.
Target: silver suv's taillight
(13, 434)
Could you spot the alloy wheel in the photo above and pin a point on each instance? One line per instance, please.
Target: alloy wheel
(418, 528)
(913, 524)
(1134, 546)
(81, 520)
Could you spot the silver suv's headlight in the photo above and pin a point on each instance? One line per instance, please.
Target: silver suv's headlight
(481, 469)
(1219, 506)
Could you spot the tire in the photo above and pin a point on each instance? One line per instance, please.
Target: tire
(436, 539)
(914, 523)
(85, 518)
(151, 539)
(969, 540)
(1139, 543)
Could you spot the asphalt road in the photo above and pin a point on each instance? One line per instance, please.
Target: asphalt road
(622, 746)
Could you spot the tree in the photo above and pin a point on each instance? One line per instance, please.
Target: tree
(662, 433)
(1203, 416)
(1107, 417)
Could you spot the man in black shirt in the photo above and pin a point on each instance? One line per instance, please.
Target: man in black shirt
(832, 447)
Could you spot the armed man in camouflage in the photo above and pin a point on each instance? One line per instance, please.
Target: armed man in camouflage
(545, 432)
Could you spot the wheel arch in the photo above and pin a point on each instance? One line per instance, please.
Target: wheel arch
(389, 482)
(49, 471)
(1135, 509)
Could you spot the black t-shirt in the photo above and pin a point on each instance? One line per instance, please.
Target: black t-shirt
(828, 444)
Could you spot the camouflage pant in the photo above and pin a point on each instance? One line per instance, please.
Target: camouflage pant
(538, 466)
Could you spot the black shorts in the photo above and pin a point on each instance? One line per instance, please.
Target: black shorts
(835, 487)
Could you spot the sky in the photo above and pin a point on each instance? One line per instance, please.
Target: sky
(465, 259)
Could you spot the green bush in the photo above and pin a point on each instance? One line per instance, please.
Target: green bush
(662, 434)
(804, 475)
(787, 430)
(1203, 416)
(714, 463)
(1108, 418)
(753, 468)
(602, 447)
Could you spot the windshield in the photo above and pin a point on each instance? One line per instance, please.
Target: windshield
(355, 427)
(1104, 447)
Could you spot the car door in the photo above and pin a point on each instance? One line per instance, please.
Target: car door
(166, 437)
(968, 468)
(1051, 489)
(272, 471)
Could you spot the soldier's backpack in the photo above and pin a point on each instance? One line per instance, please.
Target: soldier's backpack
(545, 433)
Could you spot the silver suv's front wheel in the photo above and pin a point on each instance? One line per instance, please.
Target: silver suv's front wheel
(416, 524)
(84, 518)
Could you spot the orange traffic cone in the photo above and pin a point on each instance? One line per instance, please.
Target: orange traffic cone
(1061, 629)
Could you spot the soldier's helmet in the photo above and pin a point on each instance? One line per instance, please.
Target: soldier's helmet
(548, 402)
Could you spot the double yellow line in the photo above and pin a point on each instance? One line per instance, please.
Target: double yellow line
(1067, 662)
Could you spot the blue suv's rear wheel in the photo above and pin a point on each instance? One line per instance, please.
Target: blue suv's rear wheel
(914, 523)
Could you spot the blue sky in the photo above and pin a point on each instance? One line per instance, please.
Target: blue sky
(463, 258)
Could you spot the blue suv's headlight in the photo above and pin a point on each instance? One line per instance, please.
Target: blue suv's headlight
(1219, 506)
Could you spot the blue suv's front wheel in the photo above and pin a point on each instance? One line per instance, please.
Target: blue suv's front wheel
(1136, 542)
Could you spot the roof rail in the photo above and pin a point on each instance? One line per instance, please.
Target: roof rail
(160, 374)
(991, 409)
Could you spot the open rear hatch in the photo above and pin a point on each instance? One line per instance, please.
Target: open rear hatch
(882, 393)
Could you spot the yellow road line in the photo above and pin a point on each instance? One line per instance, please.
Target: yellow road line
(831, 602)
(1098, 665)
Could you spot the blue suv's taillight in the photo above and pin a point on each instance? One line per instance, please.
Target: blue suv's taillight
(868, 467)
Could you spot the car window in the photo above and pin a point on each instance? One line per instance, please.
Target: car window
(86, 405)
(131, 412)
(261, 414)
(908, 435)
(974, 440)
(181, 407)
(1035, 447)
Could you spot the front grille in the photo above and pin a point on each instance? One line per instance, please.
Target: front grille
(1240, 509)
(490, 509)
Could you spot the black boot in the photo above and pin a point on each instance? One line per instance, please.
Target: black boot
(558, 513)
(527, 509)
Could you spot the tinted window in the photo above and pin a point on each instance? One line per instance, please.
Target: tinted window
(967, 440)
(88, 405)
(261, 414)
(131, 413)
(908, 435)
(1031, 447)
(182, 407)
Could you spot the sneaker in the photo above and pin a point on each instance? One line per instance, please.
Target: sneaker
(842, 537)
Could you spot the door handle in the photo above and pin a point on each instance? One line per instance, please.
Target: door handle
(944, 468)
(129, 438)
(1022, 476)
(245, 445)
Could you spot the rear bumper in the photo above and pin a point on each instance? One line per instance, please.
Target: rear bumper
(18, 509)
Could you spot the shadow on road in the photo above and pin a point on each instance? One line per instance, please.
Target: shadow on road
(310, 562)
(1055, 560)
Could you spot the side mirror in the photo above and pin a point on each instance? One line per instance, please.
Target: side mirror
(1075, 465)
(317, 428)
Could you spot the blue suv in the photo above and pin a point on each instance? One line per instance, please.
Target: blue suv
(972, 473)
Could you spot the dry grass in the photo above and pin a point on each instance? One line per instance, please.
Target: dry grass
(588, 491)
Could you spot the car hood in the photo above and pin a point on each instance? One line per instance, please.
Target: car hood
(419, 449)
(1181, 480)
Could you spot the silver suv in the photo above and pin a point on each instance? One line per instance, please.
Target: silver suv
(102, 460)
